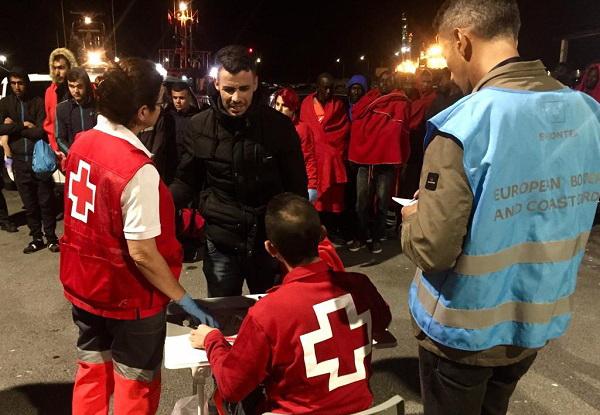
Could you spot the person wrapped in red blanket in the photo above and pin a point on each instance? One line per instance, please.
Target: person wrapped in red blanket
(283, 341)
(379, 145)
(327, 118)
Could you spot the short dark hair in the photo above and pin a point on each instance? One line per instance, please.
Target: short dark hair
(61, 56)
(180, 86)
(126, 87)
(294, 227)
(78, 74)
(487, 18)
(235, 59)
(325, 75)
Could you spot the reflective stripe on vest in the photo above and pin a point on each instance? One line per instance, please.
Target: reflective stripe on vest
(531, 159)
(528, 252)
(520, 312)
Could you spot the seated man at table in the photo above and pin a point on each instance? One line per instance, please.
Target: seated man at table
(309, 340)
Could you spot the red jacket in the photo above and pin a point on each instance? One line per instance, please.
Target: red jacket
(380, 133)
(307, 142)
(50, 104)
(328, 253)
(284, 343)
(331, 140)
(96, 270)
(419, 109)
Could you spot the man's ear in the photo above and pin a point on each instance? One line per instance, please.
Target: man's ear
(463, 43)
(323, 233)
(216, 82)
(255, 86)
(142, 113)
(271, 249)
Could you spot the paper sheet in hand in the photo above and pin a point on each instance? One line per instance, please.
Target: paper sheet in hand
(404, 202)
(180, 354)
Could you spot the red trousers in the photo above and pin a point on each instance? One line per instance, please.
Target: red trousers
(119, 358)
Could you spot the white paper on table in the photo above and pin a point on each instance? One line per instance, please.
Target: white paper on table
(404, 202)
(180, 354)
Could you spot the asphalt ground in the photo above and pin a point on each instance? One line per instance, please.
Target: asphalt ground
(37, 344)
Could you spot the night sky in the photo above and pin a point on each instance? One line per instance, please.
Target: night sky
(295, 40)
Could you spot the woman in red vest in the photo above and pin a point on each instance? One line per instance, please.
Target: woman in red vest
(120, 260)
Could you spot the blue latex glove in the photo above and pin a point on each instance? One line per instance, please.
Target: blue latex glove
(312, 195)
(201, 315)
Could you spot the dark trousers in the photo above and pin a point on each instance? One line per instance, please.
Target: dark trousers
(38, 197)
(225, 272)
(450, 388)
(373, 181)
(3, 207)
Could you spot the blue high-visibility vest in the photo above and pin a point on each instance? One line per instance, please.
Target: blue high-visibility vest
(532, 160)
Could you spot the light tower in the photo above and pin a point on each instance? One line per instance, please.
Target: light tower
(406, 45)
(183, 18)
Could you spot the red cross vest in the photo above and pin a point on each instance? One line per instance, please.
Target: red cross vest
(96, 270)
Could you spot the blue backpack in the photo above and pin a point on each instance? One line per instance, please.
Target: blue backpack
(44, 160)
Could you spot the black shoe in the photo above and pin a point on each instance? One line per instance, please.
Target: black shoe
(355, 245)
(54, 246)
(9, 227)
(34, 246)
(376, 248)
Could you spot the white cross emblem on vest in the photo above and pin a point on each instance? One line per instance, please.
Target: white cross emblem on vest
(82, 192)
(331, 366)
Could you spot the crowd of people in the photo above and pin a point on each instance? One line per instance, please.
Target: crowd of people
(148, 169)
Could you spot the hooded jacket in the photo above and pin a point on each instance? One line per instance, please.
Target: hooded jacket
(54, 94)
(239, 164)
(182, 120)
(27, 108)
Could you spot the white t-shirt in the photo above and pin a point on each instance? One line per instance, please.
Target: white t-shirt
(140, 201)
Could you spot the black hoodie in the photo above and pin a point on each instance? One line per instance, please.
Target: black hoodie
(21, 139)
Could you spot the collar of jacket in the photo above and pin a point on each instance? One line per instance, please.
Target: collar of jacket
(305, 271)
(509, 70)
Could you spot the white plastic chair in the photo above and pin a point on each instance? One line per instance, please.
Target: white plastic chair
(394, 401)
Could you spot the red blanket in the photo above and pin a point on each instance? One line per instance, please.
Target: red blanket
(380, 133)
(595, 92)
(419, 108)
(307, 142)
(331, 141)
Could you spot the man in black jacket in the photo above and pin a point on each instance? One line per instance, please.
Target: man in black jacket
(182, 109)
(78, 113)
(21, 118)
(239, 154)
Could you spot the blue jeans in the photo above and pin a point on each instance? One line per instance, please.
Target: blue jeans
(373, 181)
(225, 272)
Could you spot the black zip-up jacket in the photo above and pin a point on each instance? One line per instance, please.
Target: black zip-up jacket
(238, 164)
(21, 139)
(182, 120)
(160, 141)
(71, 119)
